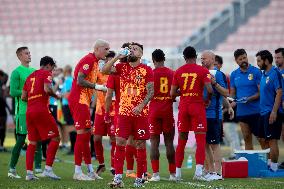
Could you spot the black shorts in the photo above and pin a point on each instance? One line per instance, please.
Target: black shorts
(269, 131)
(281, 115)
(252, 121)
(53, 110)
(213, 134)
(67, 115)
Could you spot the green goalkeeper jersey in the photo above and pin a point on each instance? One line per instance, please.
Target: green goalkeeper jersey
(17, 81)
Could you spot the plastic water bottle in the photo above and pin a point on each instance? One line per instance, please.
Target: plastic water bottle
(189, 162)
(124, 51)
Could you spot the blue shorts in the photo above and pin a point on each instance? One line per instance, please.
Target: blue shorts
(213, 134)
(268, 131)
(252, 121)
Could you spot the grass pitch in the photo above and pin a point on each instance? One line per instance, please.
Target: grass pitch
(65, 169)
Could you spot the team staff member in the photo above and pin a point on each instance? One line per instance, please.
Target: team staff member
(214, 117)
(270, 99)
(244, 83)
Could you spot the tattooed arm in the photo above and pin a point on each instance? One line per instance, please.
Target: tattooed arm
(150, 93)
(83, 82)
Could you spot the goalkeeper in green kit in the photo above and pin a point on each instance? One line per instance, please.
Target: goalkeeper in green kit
(17, 81)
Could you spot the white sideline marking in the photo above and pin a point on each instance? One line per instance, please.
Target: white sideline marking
(189, 183)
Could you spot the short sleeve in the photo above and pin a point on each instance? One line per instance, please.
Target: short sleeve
(110, 82)
(206, 76)
(277, 83)
(86, 65)
(47, 78)
(232, 80)
(221, 79)
(118, 68)
(149, 75)
(258, 75)
(175, 79)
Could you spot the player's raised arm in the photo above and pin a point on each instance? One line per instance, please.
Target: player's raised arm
(108, 68)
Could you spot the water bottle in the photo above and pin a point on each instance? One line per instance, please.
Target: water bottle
(101, 64)
(189, 162)
(124, 51)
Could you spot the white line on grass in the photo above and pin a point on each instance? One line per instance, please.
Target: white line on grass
(190, 183)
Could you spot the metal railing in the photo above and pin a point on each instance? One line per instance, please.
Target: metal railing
(228, 14)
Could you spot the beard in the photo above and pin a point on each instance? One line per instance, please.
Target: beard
(132, 58)
(244, 65)
(263, 67)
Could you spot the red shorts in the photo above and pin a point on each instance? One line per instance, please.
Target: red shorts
(81, 115)
(103, 129)
(138, 127)
(192, 117)
(41, 126)
(161, 122)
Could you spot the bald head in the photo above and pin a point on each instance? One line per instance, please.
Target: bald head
(100, 42)
(208, 59)
(101, 49)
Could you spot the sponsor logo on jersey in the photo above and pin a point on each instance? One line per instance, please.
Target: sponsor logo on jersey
(267, 80)
(250, 77)
(50, 133)
(86, 67)
(141, 132)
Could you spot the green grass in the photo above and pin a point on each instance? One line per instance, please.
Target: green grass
(65, 170)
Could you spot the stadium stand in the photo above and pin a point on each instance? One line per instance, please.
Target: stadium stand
(161, 23)
(263, 31)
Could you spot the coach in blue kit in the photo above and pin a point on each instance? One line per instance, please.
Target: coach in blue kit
(270, 99)
(245, 88)
(279, 61)
(214, 117)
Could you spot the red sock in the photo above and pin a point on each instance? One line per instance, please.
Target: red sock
(99, 152)
(30, 157)
(112, 157)
(86, 148)
(130, 152)
(180, 152)
(200, 148)
(51, 152)
(78, 152)
(119, 159)
(141, 162)
(172, 168)
(155, 165)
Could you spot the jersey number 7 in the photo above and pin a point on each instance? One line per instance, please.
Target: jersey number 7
(33, 84)
(186, 78)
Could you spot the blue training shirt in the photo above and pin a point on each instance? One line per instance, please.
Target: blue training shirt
(246, 84)
(67, 85)
(281, 110)
(215, 108)
(269, 84)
